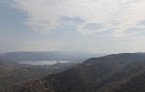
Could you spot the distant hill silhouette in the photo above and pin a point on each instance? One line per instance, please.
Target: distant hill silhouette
(73, 57)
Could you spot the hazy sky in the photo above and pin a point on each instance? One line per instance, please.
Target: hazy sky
(98, 26)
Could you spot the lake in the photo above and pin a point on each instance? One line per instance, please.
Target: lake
(44, 62)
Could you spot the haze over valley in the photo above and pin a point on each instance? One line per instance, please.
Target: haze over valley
(47, 58)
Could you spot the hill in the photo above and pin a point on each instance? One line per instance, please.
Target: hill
(12, 74)
(112, 73)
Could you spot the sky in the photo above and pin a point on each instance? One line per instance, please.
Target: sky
(96, 26)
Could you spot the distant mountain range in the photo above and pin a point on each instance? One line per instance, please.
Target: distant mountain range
(113, 73)
(73, 57)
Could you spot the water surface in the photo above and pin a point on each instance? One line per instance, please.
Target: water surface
(44, 62)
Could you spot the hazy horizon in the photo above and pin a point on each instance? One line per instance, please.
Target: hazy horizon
(70, 52)
(95, 26)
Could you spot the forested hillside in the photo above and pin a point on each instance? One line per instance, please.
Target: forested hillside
(112, 73)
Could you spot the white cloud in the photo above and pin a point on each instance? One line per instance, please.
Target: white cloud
(120, 15)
